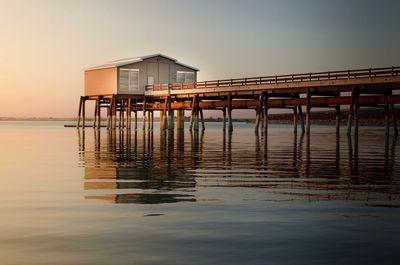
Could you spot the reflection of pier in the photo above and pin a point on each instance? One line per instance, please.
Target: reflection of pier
(165, 167)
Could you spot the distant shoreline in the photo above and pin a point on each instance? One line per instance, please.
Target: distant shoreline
(37, 119)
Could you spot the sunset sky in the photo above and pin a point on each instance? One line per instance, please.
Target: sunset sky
(46, 45)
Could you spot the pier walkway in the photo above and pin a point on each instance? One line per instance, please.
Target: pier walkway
(374, 87)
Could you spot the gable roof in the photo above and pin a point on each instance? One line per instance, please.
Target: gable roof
(126, 61)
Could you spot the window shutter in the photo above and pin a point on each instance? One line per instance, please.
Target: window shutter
(123, 80)
(133, 81)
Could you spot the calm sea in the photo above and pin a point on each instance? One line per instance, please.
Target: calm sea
(91, 197)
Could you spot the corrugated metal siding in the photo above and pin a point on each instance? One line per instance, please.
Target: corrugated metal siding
(101, 82)
(163, 73)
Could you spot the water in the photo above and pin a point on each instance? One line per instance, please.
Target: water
(90, 197)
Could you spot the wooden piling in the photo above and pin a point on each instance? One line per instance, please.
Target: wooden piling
(258, 113)
(144, 114)
(387, 123)
(180, 119)
(109, 116)
(301, 119)
(356, 114)
(196, 117)
(171, 118)
(99, 113)
(161, 119)
(308, 110)
(136, 121)
(83, 112)
(203, 127)
(337, 108)
(78, 124)
(351, 110)
(295, 119)
(149, 122)
(192, 116)
(112, 113)
(96, 114)
(128, 114)
(265, 113)
(394, 119)
(122, 113)
(230, 123)
(224, 118)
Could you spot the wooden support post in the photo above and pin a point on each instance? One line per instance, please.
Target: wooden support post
(152, 120)
(109, 116)
(78, 123)
(149, 119)
(170, 116)
(83, 112)
(295, 119)
(387, 117)
(351, 110)
(224, 118)
(301, 119)
(230, 123)
(193, 112)
(337, 108)
(394, 119)
(144, 114)
(203, 127)
(136, 120)
(128, 114)
(95, 113)
(183, 119)
(99, 113)
(161, 119)
(308, 110)
(197, 115)
(258, 113)
(265, 114)
(164, 114)
(122, 113)
(112, 112)
(179, 119)
(356, 114)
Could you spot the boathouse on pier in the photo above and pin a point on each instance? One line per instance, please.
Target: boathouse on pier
(132, 75)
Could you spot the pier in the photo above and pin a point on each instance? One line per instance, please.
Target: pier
(350, 89)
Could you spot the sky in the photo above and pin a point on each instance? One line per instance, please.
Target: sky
(46, 45)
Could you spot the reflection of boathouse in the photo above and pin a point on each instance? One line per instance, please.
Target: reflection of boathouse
(124, 164)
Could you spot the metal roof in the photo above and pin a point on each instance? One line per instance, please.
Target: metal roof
(126, 61)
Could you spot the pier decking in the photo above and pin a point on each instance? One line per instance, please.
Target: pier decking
(354, 89)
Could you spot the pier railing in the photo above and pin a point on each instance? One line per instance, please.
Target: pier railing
(276, 79)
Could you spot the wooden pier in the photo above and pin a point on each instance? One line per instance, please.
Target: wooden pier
(353, 89)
